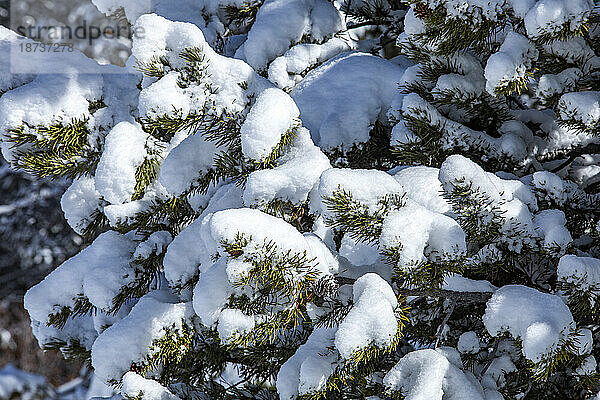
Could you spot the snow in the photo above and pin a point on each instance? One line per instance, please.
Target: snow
(130, 339)
(225, 225)
(552, 14)
(468, 342)
(214, 281)
(219, 277)
(17, 384)
(550, 224)
(584, 342)
(294, 176)
(427, 374)
(422, 185)
(185, 10)
(338, 94)
(108, 268)
(273, 114)
(234, 322)
(119, 214)
(550, 85)
(458, 283)
(421, 234)
(187, 251)
(539, 319)
(584, 107)
(554, 187)
(45, 100)
(287, 70)
(371, 321)
(341, 100)
(156, 243)
(511, 62)
(366, 186)
(512, 200)
(456, 135)
(494, 377)
(124, 151)
(189, 160)
(269, 114)
(9, 80)
(97, 272)
(309, 368)
(295, 19)
(587, 367)
(583, 272)
(358, 253)
(163, 38)
(165, 95)
(133, 384)
(79, 202)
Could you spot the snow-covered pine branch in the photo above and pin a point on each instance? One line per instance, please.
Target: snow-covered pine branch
(274, 218)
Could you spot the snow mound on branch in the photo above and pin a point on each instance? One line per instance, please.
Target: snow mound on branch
(97, 273)
(187, 252)
(494, 377)
(130, 339)
(372, 319)
(340, 101)
(512, 61)
(553, 186)
(156, 243)
(269, 119)
(421, 234)
(458, 283)
(47, 99)
(550, 224)
(294, 176)
(468, 342)
(423, 186)
(286, 71)
(124, 151)
(60, 96)
(358, 253)
(587, 367)
(542, 321)
(133, 384)
(79, 202)
(164, 38)
(9, 80)
(196, 245)
(458, 169)
(18, 384)
(309, 368)
(584, 272)
(232, 322)
(296, 19)
(216, 282)
(512, 200)
(228, 86)
(581, 106)
(427, 374)
(366, 186)
(190, 158)
(550, 15)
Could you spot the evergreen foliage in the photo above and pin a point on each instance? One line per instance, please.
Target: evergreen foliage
(451, 252)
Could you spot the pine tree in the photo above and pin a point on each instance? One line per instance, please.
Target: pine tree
(449, 254)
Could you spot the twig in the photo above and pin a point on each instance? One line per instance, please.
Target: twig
(440, 330)
(493, 355)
